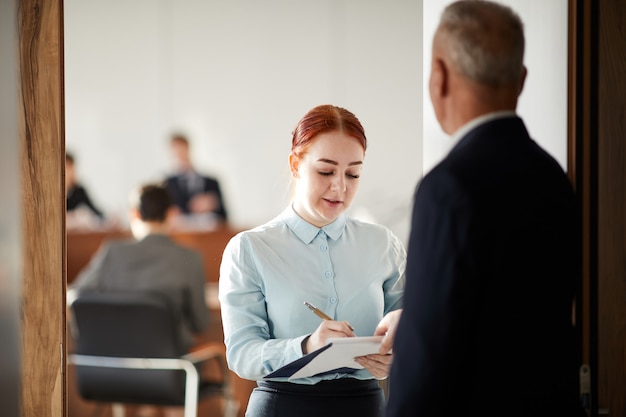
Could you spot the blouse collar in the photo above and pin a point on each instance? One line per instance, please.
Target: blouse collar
(306, 232)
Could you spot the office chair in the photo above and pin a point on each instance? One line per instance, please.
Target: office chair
(127, 351)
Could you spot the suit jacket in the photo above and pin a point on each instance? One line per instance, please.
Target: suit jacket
(181, 195)
(155, 264)
(492, 268)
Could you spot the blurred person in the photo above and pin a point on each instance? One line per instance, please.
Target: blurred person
(81, 211)
(151, 262)
(493, 255)
(192, 193)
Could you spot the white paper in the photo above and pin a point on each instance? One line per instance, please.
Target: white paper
(340, 355)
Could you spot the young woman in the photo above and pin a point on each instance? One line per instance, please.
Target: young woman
(351, 270)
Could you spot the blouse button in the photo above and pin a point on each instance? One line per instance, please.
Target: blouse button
(333, 300)
(328, 274)
(323, 247)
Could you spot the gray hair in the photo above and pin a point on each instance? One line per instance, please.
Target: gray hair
(485, 41)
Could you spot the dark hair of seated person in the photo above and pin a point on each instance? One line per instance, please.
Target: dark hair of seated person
(153, 201)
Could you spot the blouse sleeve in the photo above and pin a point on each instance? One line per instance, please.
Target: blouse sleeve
(251, 351)
(393, 286)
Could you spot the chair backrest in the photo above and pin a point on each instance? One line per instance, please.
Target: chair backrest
(133, 325)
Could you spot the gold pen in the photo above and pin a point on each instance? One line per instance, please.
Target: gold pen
(319, 313)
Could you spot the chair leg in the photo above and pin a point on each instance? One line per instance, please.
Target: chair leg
(191, 390)
(117, 409)
(231, 407)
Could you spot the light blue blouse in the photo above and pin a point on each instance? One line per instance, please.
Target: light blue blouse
(349, 269)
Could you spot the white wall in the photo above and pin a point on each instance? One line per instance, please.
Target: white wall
(237, 76)
(543, 102)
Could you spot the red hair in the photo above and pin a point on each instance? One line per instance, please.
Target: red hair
(326, 118)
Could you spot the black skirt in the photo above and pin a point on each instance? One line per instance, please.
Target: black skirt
(337, 397)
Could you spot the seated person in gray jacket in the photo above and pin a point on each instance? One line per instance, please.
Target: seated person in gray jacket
(151, 262)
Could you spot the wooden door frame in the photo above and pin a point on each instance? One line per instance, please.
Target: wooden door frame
(596, 151)
(40, 33)
(42, 130)
(600, 138)
(583, 170)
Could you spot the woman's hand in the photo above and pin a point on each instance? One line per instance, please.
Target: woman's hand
(387, 328)
(326, 329)
(378, 365)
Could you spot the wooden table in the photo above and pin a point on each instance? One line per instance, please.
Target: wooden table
(81, 246)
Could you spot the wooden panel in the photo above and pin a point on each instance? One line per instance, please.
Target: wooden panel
(40, 26)
(582, 171)
(82, 245)
(210, 245)
(612, 207)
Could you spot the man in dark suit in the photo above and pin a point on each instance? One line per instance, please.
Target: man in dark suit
(192, 192)
(151, 262)
(493, 252)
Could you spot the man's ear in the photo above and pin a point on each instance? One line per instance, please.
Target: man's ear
(133, 214)
(522, 81)
(439, 78)
(172, 212)
(294, 163)
(439, 88)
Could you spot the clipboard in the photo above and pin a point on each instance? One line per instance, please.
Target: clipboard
(336, 355)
